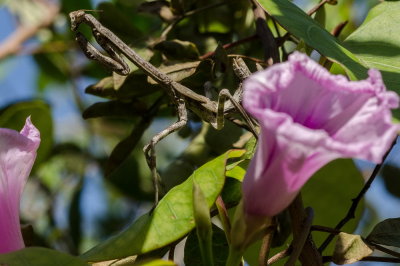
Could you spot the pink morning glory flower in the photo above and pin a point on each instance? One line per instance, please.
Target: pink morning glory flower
(309, 117)
(17, 154)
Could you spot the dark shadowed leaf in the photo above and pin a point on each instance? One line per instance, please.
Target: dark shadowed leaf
(72, 5)
(135, 85)
(115, 109)
(178, 72)
(350, 248)
(170, 220)
(39, 256)
(219, 246)
(178, 50)
(124, 27)
(391, 177)
(386, 233)
(221, 61)
(124, 148)
(160, 8)
(75, 217)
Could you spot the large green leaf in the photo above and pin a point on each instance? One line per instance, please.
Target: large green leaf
(39, 256)
(377, 42)
(298, 23)
(14, 116)
(170, 220)
(329, 193)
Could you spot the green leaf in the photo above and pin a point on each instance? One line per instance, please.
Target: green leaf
(170, 220)
(349, 249)
(238, 170)
(53, 68)
(203, 225)
(119, 22)
(115, 109)
(157, 263)
(298, 23)
(72, 5)
(135, 85)
(178, 72)
(390, 174)
(14, 117)
(376, 44)
(386, 233)
(39, 256)
(178, 50)
(158, 7)
(329, 193)
(219, 246)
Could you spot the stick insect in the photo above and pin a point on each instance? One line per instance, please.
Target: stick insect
(183, 97)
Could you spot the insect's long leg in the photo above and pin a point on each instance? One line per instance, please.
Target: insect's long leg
(92, 53)
(224, 94)
(149, 149)
(108, 47)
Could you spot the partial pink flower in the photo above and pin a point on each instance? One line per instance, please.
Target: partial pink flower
(309, 117)
(17, 154)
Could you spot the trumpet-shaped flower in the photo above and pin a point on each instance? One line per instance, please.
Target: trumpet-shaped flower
(17, 154)
(309, 117)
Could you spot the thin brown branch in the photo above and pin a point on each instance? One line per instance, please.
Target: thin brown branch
(317, 7)
(352, 210)
(13, 43)
(266, 246)
(338, 29)
(321, 228)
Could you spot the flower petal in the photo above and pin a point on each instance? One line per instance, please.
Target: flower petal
(17, 154)
(309, 117)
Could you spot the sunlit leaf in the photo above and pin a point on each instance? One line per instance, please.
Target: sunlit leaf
(170, 220)
(298, 23)
(376, 45)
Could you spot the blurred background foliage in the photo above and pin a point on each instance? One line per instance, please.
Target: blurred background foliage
(90, 178)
